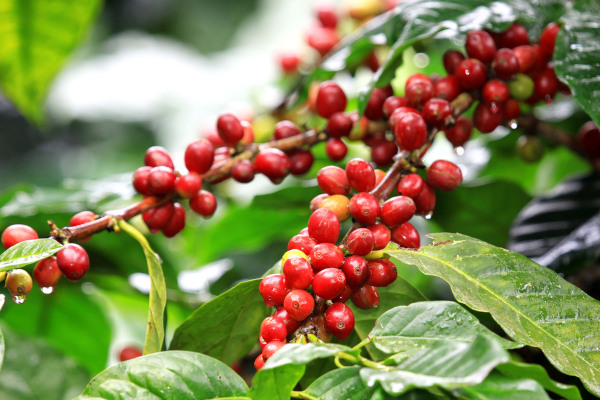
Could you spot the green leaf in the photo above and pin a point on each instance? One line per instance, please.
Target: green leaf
(1, 349)
(34, 370)
(533, 304)
(28, 252)
(514, 369)
(344, 383)
(447, 364)
(419, 325)
(38, 37)
(227, 327)
(498, 387)
(173, 375)
(577, 55)
(155, 333)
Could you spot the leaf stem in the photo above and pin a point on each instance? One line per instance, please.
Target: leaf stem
(362, 344)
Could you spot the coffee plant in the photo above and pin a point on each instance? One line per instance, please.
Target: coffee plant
(358, 284)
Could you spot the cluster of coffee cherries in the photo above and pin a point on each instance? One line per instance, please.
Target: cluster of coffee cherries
(72, 261)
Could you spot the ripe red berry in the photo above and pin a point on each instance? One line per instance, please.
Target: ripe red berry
(511, 110)
(19, 284)
(129, 353)
(410, 131)
(444, 175)
(392, 103)
(199, 156)
(360, 242)
(339, 124)
(327, 16)
(329, 283)
(410, 185)
(177, 222)
(407, 236)
(290, 323)
(230, 129)
(81, 218)
(548, 39)
(273, 289)
(243, 171)
(366, 297)
(336, 149)
(344, 296)
(273, 163)
(486, 118)
(397, 210)
(545, 85)
(161, 180)
(364, 208)
(332, 180)
(301, 160)
(374, 107)
(418, 92)
(495, 91)
(330, 99)
(188, 185)
(470, 74)
(324, 226)
(438, 113)
(248, 137)
(204, 203)
(259, 362)
(73, 261)
(339, 320)
(515, 35)
(273, 329)
(157, 156)
(356, 270)
(361, 175)
(322, 39)
(299, 304)
(588, 138)
(382, 272)
(382, 153)
(326, 255)
(289, 62)
(158, 217)
(460, 133)
(505, 64)
(425, 201)
(303, 243)
(447, 88)
(480, 45)
(298, 272)
(46, 273)
(398, 112)
(451, 60)
(17, 233)
(381, 234)
(526, 56)
(285, 129)
(140, 180)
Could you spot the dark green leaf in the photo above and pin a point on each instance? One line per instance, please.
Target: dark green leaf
(498, 387)
(447, 364)
(28, 252)
(419, 325)
(533, 304)
(38, 37)
(577, 54)
(227, 327)
(176, 375)
(344, 383)
(34, 370)
(514, 369)
(155, 333)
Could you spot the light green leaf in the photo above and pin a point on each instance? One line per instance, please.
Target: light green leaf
(531, 303)
(227, 327)
(38, 36)
(419, 325)
(1, 349)
(177, 375)
(155, 333)
(28, 252)
(498, 387)
(344, 383)
(446, 364)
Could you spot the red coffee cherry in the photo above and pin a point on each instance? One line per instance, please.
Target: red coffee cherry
(204, 203)
(326, 255)
(397, 210)
(129, 353)
(17, 233)
(451, 60)
(382, 272)
(392, 103)
(330, 99)
(383, 153)
(471, 74)
(327, 16)
(444, 175)
(480, 45)
(273, 289)
(299, 304)
(303, 243)
(366, 297)
(332, 180)
(322, 39)
(588, 138)
(356, 270)
(272, 348)
(329, 283)
(81, 218)
(339, 320)
(486, 118)
(298, 272)
(344, 296)
(410, 185)
(19, 284)
(301, 161)
(140, 180)
(199, 156)
(259, 362)
(243, 171)
(273, 163)
(505, 64)
(273, 329)
(418, 92)
(361, 175)
(410, 131)
(285, 129)
(364, 208)
(188, 185)
(324, 226)
(548, 39)
(47, 274)
(515, 35)
(158, 217)
(526, 56)
(316, 201)
(407, 236)
(460, 133)
(230, 129)
(339, 125)
(290, 323)
(495, 91)
(511, 110)
(374, 107)
(73, 261)
(360, 242)
(381, 234)
(447, 88)
(335, 149)
(161, 180)
(438, 113)
(288, 62)
(398, 112)
(248, 137)
(425, 201)
(177, 222)
(545, 85)
(157, 156)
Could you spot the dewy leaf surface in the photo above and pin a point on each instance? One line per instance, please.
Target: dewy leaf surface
(419, 325)
(344, 383)
(498, 387)
(37, 38)
(177, 375)
(155, 333)
(226, 327)
(533, 304)
(28, 252)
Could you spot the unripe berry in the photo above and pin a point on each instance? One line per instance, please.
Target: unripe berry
(361, 175)
(530, 148)
(329, 283)
(339, 205)
(19, 284)
(381, 235)
(339, 125)
(330, 99)
(332, 180)
(336, 149)
(46, 273)
(177, 222)
(204, 203)
(73, 261)
(410, 185)
(243, 171)
(301, 161)
(161, 180)
(444, 175)
(360, 242)
(407, 236)
(480, 45)
(460, 133)
(188, 185)
(273, 163)
(273, 289)
(470, 74)
(366, 297)
(324, 226)
(298, 272)
(230, 129)
(199, 156)
(157, 156)
(273, 329)
(326, 255)
(299, 304)
(17, 233)
(339, 320)
(397, 210)
(285, 129)
(364, 208)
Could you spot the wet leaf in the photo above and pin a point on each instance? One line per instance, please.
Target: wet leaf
(344, 383)
(514, 369)
(28, 252)
(499, 387)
